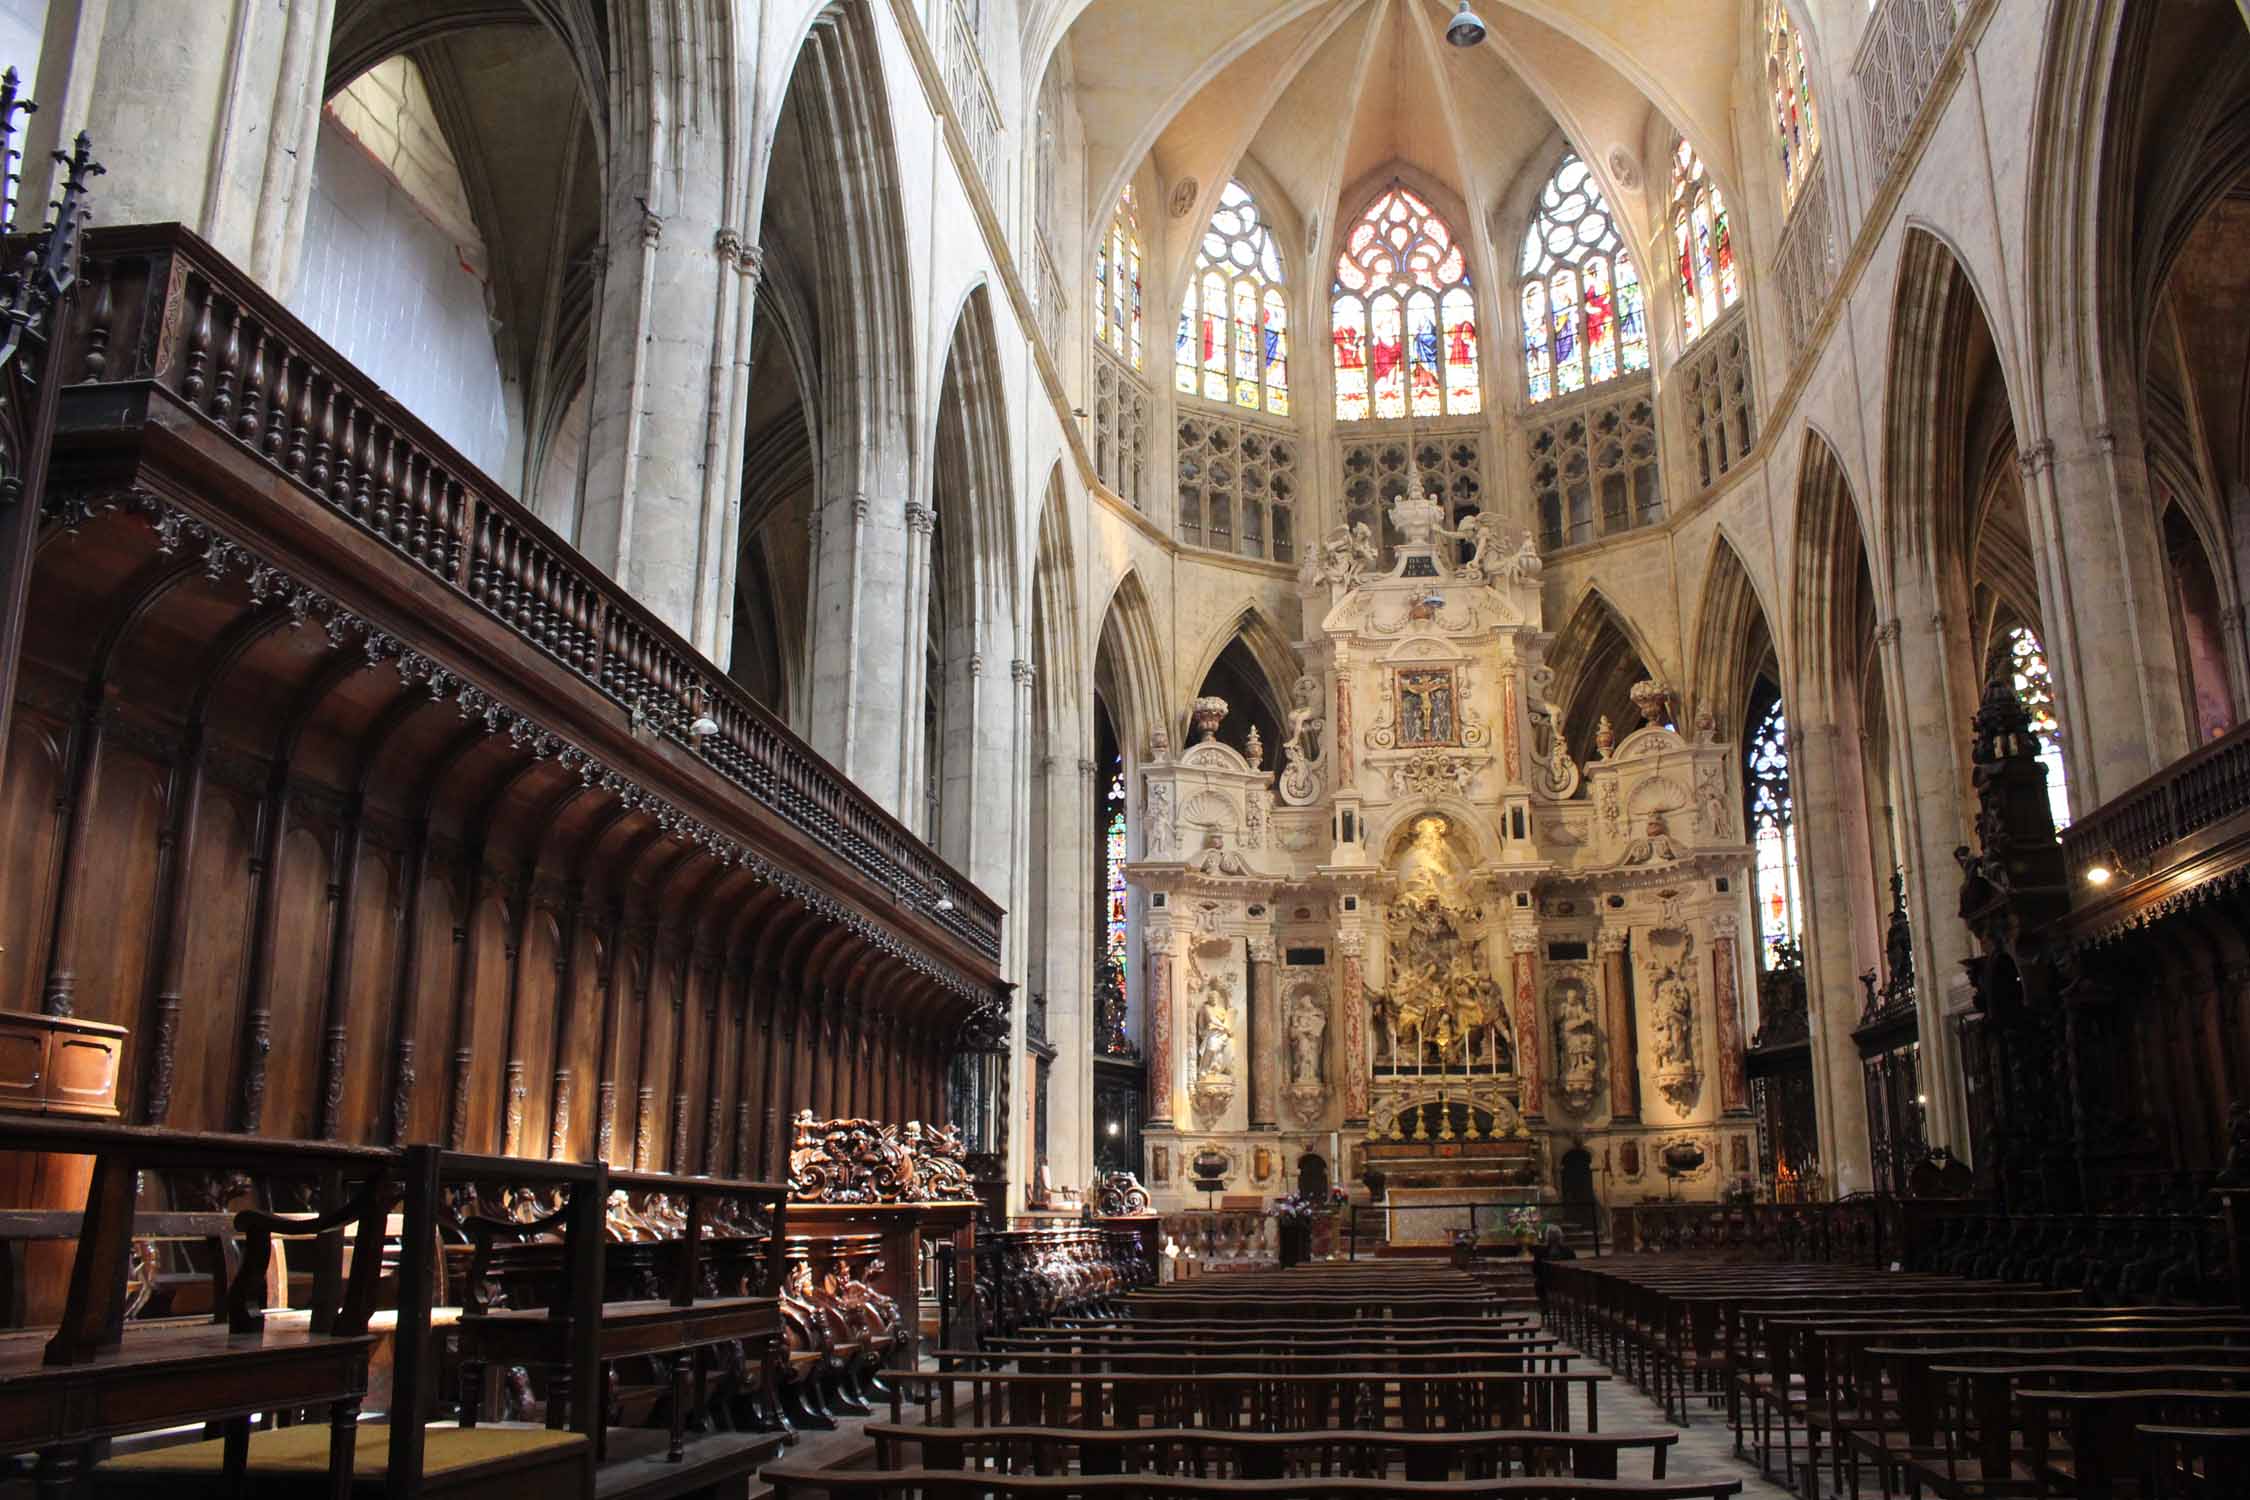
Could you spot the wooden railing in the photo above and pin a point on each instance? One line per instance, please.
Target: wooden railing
(1898, 61)
(162, 306)
(2203, 788)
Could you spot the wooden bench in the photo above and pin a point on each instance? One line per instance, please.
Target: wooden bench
(96, 1378)
(1267, 1455)
(941, 1484)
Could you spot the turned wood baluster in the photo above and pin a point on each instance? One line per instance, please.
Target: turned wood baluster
(230, 365)
(99, 320)
(301, 429)
(277, 413)
(253, 391)
(390, 516)
(340, 489)
(199, 341)
(480, 558)
(414, 508)
(324, 438)
(363, 493)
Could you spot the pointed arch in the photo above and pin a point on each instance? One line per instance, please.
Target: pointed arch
(1734, 642)
(1056, 627)
(1832, 613)
(970, 446)
(1597, 657)
(1946, 393)
(1274, 662)
(1129, 665)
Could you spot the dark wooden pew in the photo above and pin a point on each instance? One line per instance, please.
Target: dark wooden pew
(940, 1484)
(1363, 1453)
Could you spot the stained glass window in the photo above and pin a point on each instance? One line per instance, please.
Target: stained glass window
(1773, 836)
(1113, 869)
(1583, 321)
(1402, 316)
(1234, 321)
(2035, 685)
(1702, 245)
(1795, 121)
(1117, 282)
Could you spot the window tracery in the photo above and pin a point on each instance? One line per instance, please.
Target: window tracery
(1403, 316)
(1584, 315)
(2035, 686)
(1117, 282)
(1233, 341)
(1702, 245)
(1795, 118)
(1773, 836)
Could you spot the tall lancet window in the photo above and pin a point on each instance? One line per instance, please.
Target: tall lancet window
(2035, 685)
(1584, 318)
(1701, 244)
(1773, 833)
(1796, 122)
(1110, 1035)
(1233, 341)
(1117, 282)
(1403, 315)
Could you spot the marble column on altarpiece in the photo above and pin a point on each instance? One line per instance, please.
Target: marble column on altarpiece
(1351, 948)
(1624, 1046)
(1265, 1040)
(1726, 1000)
(1523, 943)
(1162, 1020)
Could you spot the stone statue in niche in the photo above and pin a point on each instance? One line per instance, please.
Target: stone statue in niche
(1711, 797)
(1308, 1024)
(1678, 1076)
(1214, 1038)
(1577, 1042)
(1300, 752)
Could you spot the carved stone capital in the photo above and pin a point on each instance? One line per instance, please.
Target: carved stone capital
(1724, 926)
(1886, 633)
(1086, 769)
(1351, 944)
(1611, 940)
(652, 228)
(2036, 459)
(728, 244)
(1263, 948)
(1023, 672)
(859, 507)
(751, 262)
(1523, 940)
(920, 519)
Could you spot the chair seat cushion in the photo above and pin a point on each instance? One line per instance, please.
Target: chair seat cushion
(304, 1450)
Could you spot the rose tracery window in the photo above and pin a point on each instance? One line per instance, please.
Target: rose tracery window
(1403, 316)
(1702, 245)
(1584, 317)
(1233, 342)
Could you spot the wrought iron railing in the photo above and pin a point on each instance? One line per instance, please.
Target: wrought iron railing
(162, 306)
(1899, 56)
(1047, 297)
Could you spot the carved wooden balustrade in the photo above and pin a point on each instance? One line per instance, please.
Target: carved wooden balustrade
(1860, 1230)
(1030, 1277)
(172, 333)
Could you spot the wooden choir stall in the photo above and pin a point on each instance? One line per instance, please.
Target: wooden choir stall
(412, 946)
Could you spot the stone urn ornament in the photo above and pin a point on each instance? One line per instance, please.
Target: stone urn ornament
(1209, 714)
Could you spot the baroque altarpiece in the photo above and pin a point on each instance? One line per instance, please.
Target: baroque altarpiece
(1431, 947)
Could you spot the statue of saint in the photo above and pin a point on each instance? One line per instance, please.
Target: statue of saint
(1214, 1029)
(1308, 1021)
(1675, 1023)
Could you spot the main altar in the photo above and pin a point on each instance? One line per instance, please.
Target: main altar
(1431, 951)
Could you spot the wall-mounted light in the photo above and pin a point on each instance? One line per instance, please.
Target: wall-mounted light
(704, 725)
(1113, 1128)
(2099, 874)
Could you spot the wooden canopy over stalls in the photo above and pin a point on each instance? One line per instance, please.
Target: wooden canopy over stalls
(375, 813)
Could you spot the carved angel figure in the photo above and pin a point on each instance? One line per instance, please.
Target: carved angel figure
(1305, 724)
(1483, 537)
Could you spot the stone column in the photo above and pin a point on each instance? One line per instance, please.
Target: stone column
(666, 419)
(1265, 1041)
(1162, 1003)
(208, 114)
(1352, 1000)
(1825, 776)
(1726, 1002)
(1624, 1044)
(1523, 943)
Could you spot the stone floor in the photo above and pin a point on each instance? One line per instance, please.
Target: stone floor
(1706, 1445)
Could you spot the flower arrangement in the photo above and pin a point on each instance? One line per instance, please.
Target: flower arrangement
(1302, 1208)
(1525, 1224)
